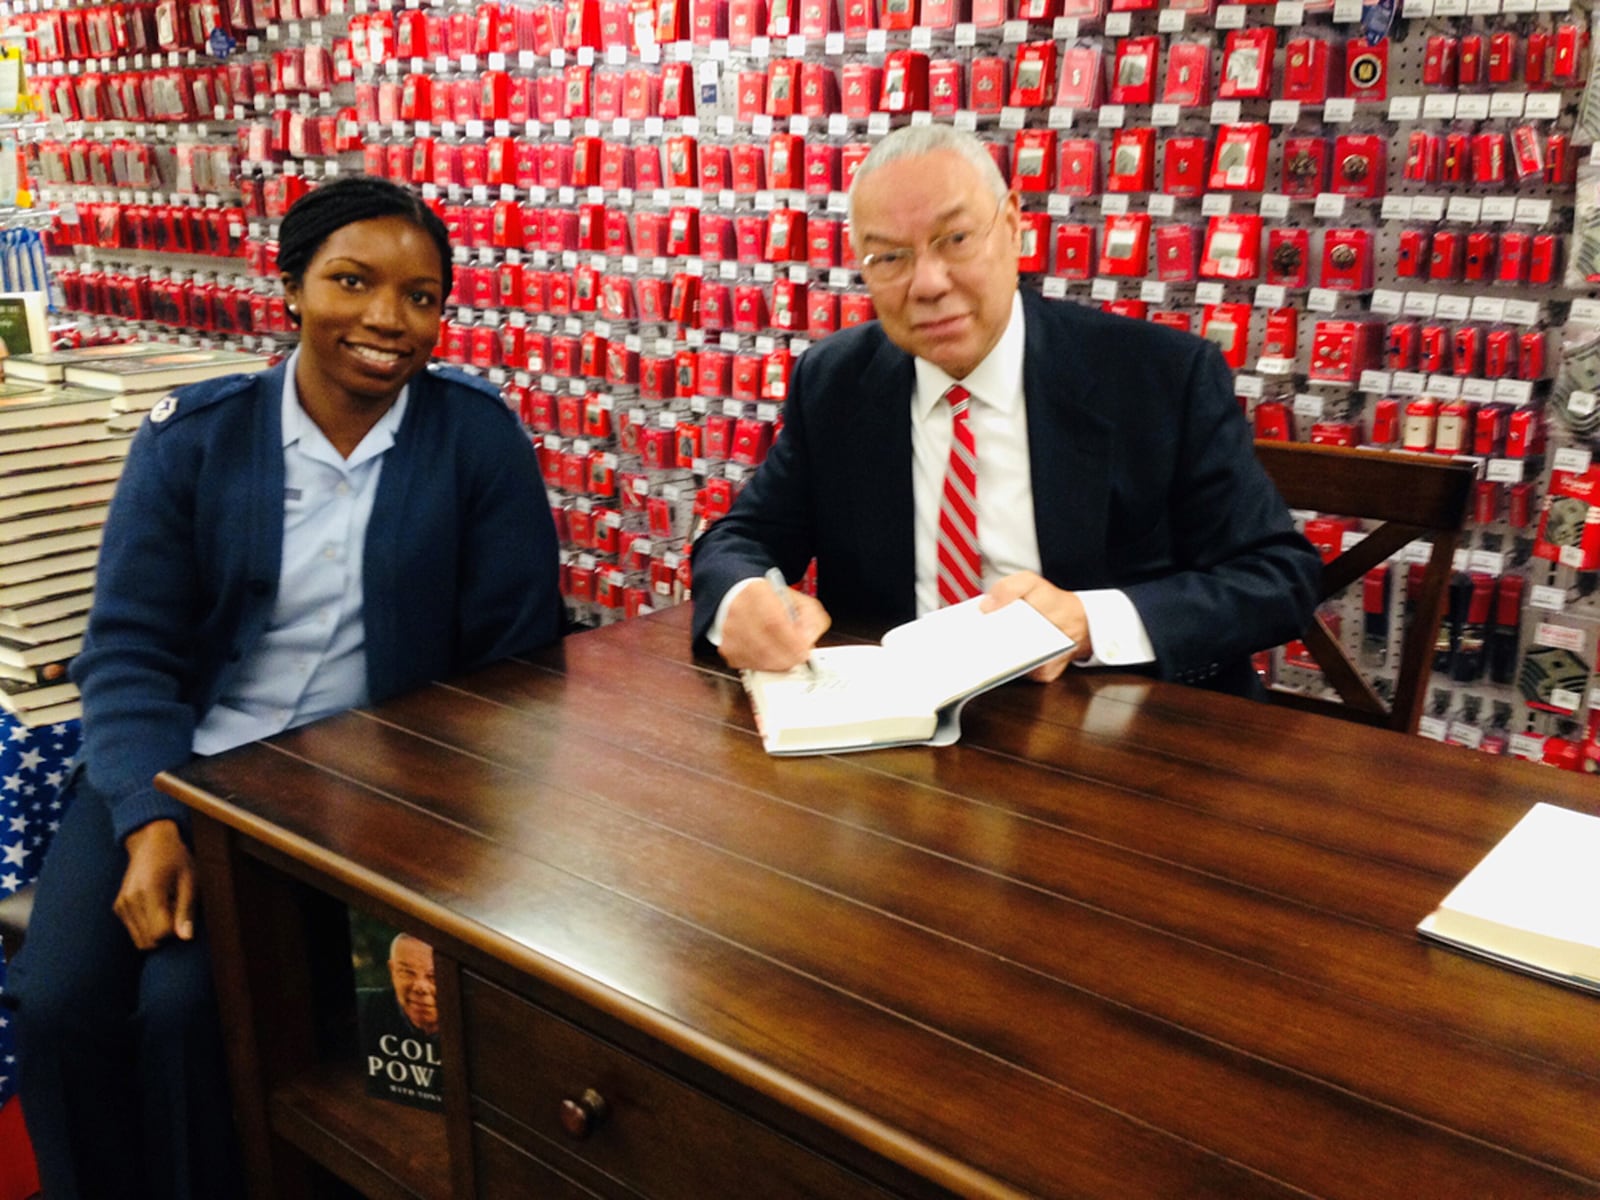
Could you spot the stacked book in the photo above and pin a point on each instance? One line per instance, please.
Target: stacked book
(66, 420)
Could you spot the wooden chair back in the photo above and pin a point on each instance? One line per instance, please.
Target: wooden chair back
(1413, 497)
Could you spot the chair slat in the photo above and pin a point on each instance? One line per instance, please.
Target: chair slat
(1413, 497)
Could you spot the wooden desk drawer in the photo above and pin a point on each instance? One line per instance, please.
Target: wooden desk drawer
(662, 1137)
(506, 1173)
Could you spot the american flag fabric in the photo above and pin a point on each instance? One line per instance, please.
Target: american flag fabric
(33, 765)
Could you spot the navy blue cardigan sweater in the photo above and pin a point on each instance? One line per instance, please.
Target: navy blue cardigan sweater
(459, 566)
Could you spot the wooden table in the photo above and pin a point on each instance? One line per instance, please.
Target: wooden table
(1126, 940)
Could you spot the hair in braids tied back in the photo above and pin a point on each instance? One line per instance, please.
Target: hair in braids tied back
(344, 201)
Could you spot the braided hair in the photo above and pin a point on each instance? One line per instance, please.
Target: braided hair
(320, 213)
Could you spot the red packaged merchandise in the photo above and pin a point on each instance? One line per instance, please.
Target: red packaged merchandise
(749, 168)
(781, 17)
(821, 168)
(1079, 167)
(988, 85)
(1034, 162)
(676, 98)
(1074, 251)
(747, 20)
(822, 315)
(1289, 257)
(783, 87)
(819, 90)
(1307, 70)
(1227, 326)
(855, 308)
(1446, 251)
(1360, 164)
(1500, 60)
(1247, 63)
(786, 162)
(945, 92)
(708, 20)
(1133, 72)
(1347, 260)
(1232, 247)
(1341, 350)
(859, 18)
(1280, 339)
(1424, 153)
(904, 82)
(1177, 253)
(1183, 166)
(1034, 252)
(1569, 527)
(1080, 82)
(817, 18)
(1188, 76)
(1439, 62)
(1305, 166)
(1239, 163)
(1125, 248)
(786, 235)
(1034, 81)
(823, 238)
(1367, 70)
(1132, 167)
(859, 89)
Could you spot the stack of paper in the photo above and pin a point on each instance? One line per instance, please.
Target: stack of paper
(1533, 903)
(62, 444)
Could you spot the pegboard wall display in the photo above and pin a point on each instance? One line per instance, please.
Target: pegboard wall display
(1379, 215)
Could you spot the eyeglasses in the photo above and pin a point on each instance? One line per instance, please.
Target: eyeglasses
(953, 248)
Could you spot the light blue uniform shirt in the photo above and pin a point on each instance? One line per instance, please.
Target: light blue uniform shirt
(311, 662)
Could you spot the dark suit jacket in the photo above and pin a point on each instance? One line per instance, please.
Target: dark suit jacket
(1144, 479)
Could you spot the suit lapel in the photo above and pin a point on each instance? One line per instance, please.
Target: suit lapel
(1069, 446)
(880, 443)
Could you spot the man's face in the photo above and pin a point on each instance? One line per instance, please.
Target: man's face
(411, 971)
(951, 314)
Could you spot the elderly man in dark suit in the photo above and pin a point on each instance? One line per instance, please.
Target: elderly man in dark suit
(978, 438)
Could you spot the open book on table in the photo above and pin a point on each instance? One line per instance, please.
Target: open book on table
(1533, 903)
(909, 689)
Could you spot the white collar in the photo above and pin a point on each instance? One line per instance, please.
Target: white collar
(996, 381)
(298, 425)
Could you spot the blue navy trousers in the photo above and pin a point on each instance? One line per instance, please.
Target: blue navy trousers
(121, 1070)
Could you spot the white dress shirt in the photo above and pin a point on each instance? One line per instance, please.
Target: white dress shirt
(1007, 537)
(311, 662)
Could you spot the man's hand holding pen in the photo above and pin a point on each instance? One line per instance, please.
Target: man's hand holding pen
(772, 628)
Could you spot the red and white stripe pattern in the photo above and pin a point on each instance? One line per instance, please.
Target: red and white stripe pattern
(960, 567)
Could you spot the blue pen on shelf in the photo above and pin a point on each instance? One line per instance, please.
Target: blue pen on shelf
(780, 585)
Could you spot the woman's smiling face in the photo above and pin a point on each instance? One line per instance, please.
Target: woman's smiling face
(370, 303)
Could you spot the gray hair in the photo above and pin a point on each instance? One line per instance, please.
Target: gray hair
(913, 141)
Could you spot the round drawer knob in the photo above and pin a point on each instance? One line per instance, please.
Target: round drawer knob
(583, 1116)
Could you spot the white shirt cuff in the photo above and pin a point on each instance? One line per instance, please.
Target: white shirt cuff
(1115, 630)
(714, 634)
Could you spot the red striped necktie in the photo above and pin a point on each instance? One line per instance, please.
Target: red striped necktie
(960, 567)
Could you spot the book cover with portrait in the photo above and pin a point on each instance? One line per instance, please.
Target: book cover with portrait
(24, 327)
(397, 1013)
